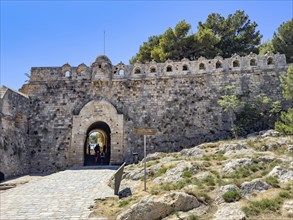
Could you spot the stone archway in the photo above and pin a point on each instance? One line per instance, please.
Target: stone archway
(93, 112)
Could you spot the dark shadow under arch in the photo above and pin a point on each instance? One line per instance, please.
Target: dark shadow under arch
(89, 160)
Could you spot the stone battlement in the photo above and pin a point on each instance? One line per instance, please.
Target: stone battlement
(103, 70)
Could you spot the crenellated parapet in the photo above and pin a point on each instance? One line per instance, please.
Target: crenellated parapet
(103, 70)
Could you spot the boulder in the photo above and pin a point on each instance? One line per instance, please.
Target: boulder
(135, 174)
(287, 209)
(282, 174)
(229, 211)
(138, 173)
(154, 156)
(173, 174)
(199, 211)
(269, 133)
(158, 207)
(257, 185)
(194, 152)
(235, 149)
(233, 164)
(228, 188)
(126, 192)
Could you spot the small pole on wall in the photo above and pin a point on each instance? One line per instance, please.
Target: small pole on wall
(144, 158)
(145, 132)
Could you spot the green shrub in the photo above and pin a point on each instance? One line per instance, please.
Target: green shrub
(124, 203)
(286, 124)
(232, 196)
(273, 181)
(239, 173)
(285, 195)
(187, 173)
(209, 180)
(258, 207)
(192, 217)
(161, 171)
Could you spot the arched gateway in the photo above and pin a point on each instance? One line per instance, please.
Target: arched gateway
(100, 116)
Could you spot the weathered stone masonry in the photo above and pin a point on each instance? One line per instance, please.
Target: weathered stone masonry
(177, 98)
(14, 152)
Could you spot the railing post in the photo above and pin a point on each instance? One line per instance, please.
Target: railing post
(118, 178)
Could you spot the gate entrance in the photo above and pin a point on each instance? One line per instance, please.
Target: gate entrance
(98, 144)
(97, 117)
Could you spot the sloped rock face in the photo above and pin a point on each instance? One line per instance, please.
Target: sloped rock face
(158, 207)
(283, 175)
(235, 149)
(192, 152)
(229, 211)
(233, 164)
(269, 133)
(257, 185)
(173, 174)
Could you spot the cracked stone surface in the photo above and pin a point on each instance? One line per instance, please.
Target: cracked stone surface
(64, 195)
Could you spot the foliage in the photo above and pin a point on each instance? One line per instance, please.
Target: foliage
(258, 207)
(232, 196)
(255, 208)
(283, 40)
(209, 180)
(257, 114)
(125, 202)
(187, 173)
(230, 102)
(161, 171)
(93, 137)
(273, 181)
(216, 36)
(175, 186)
(201, 195)
(238, 34)
(285, 125)
(144, 54)
(287, 84)
(266, 47)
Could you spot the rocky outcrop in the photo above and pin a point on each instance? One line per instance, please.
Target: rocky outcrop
(257, 185)
(220, 192)
(235, 149)
(194, 152)
(282, 174)
(229, 211)
(269, 133)
(173, 174)
(233, 164)
(158, 207)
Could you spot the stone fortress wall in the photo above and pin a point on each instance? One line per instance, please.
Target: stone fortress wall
(14, 112)
(179, 99)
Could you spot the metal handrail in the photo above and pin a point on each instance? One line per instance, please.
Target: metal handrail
(118, 178)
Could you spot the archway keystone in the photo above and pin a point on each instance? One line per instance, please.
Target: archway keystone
(92, 112)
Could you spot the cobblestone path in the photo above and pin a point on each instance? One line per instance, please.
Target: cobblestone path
(64, 195)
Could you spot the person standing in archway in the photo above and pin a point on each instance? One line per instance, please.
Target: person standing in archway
(103, 155)
(97, 153)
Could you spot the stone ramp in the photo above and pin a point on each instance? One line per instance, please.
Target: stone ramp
(64, 195)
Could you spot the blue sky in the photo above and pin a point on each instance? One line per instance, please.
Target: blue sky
(52, 33)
